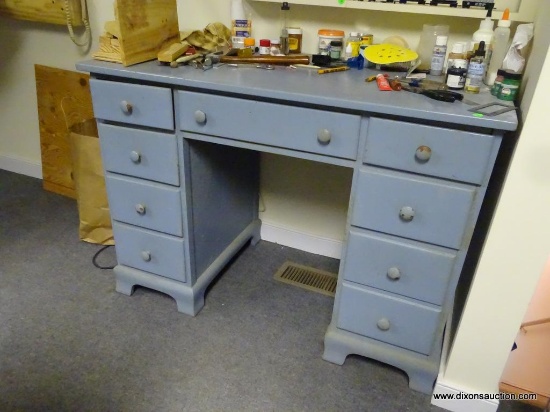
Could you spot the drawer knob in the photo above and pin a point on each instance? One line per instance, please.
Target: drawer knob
(406, 213)
(135, 156)
(200, 117)
(394, 273)
(146, 255)
(126, 107)
(323, 136)
(423, 153)
(383, 324)
(140, 209)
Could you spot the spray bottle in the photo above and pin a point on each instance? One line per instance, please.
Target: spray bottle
(500, 47)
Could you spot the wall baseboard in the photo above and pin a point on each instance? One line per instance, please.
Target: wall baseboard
(461, 405)
(300, 240)
(20, 165)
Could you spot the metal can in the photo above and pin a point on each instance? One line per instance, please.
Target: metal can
(509, 87)
(367, 39)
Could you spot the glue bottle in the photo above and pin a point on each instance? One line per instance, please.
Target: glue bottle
(500, 47)
(476, 70)
(484, 34)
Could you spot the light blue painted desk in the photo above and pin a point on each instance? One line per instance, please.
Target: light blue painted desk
(181, 147)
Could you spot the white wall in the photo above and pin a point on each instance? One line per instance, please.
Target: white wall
(516, 248)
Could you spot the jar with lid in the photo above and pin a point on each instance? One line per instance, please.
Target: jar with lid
(275, 49)
(325, 37)
(265, 47)
(335, 49)
(294, 40)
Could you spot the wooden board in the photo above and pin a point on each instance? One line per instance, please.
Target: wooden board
(54, 87)
(46, 11)
(145, 26)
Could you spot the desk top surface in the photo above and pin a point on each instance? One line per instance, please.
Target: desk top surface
(343, 90)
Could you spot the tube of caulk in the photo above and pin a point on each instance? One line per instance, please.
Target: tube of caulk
(382, 82)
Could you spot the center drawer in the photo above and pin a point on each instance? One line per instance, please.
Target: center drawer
(415, 207)
(296, 128)
(401, 322)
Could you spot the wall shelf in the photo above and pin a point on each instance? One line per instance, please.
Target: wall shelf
(520, 10)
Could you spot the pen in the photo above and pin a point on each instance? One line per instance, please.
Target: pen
(333, 69)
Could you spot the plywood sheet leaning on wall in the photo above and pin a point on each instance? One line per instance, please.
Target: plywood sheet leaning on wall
(46, 11)
(60, 91)
(141, 29)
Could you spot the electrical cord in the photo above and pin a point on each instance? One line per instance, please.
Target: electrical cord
(94, 259)
(88, 30)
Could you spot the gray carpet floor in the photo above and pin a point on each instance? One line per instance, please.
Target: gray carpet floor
(69, 342)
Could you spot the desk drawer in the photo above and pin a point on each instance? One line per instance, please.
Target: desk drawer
(150, 251)
(140, 153)
(145, 204)
(133, 103)
(296, 128)
(429, 150)
(400, 322)
(414, 207)
(397, 265)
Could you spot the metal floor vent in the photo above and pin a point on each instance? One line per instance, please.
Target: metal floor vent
(308, 278)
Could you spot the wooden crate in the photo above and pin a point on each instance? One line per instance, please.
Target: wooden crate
(139, 32)
(57, 91)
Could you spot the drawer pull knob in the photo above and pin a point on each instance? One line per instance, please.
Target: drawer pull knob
(146, 255)
(200, 117)
(126, 107)
(423, 153)
(140, 209)
(135, 156)
(323, 136)
(383, 324)
(406, 213)
(394, 273)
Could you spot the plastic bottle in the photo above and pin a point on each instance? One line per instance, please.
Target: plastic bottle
(485, 34)
(241, 26)
(457, 67)
(500, 47)
(438, 56)
(354, 40)
(476, 70)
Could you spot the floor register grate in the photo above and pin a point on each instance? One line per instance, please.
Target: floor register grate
(315, 280)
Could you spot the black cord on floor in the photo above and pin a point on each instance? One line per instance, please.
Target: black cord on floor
(94, 259)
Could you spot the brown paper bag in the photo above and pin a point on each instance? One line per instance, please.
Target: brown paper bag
(91, 195)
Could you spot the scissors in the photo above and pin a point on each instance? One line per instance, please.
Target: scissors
(440, 95)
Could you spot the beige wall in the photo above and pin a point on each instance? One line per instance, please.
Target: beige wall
(516, 248)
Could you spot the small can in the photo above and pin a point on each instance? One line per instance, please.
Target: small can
(265, 47)
(367, 39)
(495, 89)
(509, 87)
